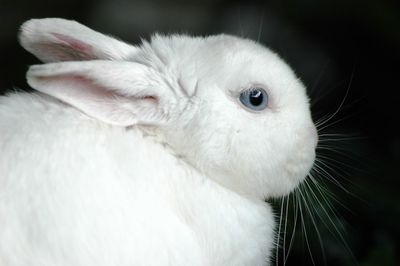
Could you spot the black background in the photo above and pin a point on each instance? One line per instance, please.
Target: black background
(337, 48)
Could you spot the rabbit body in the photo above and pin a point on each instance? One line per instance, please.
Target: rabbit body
(75, 191)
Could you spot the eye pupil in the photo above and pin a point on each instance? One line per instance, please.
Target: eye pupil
(255, 99)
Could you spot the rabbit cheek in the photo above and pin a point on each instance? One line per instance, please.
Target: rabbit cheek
(298, 159)
(271, 163)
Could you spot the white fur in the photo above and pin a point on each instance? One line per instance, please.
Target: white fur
(149, 158)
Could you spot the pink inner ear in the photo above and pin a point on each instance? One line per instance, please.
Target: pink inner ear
(73, 43)
(150, 97)
(82, 88)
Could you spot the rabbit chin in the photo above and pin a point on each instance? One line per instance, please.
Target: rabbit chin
(265, 183)
(290, 178)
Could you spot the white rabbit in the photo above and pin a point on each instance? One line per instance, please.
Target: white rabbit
(158, 154)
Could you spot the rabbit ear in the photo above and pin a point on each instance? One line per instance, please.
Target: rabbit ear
(54, 39)
(119, 93)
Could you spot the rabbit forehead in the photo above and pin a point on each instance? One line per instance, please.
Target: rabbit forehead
(226, 61)
(241, 62)
(204, 67)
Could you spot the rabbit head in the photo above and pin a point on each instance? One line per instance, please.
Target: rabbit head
(227, 106)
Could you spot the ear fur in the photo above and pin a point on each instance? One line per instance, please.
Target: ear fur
(118, 93)
(54, 39)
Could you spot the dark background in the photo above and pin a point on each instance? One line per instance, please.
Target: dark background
(337, 48)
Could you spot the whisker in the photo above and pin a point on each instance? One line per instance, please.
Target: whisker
(322, 126)
(320, 120)
(332, 134)
(330, 178)
(285, 228)
(313, 222)
(332, 223)
(325, 92)
(338, 150)
(296, 209)
(240, 23)
(342, 102)
(325, 138)
(261, 24)
(326, 193)
(331, 208)
(332, 165)
(305, 233)
(317, 80)
(334, 162)
(279, 234)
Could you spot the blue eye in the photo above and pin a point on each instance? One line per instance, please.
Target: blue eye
(255, 99)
